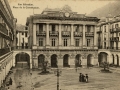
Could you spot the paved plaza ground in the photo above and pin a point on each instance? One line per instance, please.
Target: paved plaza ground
(69, 79)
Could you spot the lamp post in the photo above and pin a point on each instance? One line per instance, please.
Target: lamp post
(58, 72)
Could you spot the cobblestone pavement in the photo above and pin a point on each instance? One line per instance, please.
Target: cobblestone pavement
(69, 80)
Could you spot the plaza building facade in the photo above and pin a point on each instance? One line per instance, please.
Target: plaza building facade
(22, 37)
(109, 40)
(63, 38)
(7, 27)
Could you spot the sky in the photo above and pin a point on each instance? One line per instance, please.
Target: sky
(20, 11)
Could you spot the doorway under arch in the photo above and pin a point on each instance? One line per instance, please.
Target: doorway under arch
(113, 59)
(54, 61)
(66, 60)
(90, 59)
(41, 59)
(78, 60)
(102, 57)
(22, 60)
(117, 60)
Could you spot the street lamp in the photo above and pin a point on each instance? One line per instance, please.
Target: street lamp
(58, 72)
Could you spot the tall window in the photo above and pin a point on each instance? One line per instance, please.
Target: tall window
(65, 42)
(105, 45)
(105, 29)
(40, 27)
(116, 25)
(22, 33)
(53, 28)
(66, 28)
(25, 34)
(88, 28)
(53, 42)
(40, 41)
(88, 42)
(77, 28)
(77, 42)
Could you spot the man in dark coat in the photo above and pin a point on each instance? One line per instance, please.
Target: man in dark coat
(80, 77)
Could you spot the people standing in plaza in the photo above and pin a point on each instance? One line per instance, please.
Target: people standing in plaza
(83, 78)
(86, 78)
(80, 77)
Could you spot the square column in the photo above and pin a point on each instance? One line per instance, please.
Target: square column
(60, 35)
(47, 35)
(95, 38)
(84, 35)
(72, 43)
(34, 36)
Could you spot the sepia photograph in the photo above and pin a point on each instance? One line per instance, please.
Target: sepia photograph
(59, 45)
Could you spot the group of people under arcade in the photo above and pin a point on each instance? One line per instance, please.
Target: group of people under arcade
(83, 78)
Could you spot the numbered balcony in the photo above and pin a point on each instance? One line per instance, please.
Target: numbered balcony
(77, 34)
(42, 33)
(89, 34)
(53, 33)
(3, 29)
(66, 33)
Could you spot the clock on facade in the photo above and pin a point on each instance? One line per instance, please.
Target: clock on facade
(67, 14)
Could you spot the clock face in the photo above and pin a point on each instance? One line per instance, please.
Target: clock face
(67, 14)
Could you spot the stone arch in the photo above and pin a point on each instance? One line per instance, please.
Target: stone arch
(54, 61)
(102, 57)
(66, 60)
(90, 60)
(41, 59)
(22, 59)
(78, 58)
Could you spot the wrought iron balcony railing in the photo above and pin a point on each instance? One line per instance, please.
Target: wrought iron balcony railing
(66, 33)
(53, 33)
(77, 34)
(114, 39)
(42, 33)
(89, 34)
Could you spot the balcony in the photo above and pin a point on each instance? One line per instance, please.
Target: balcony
(114, 30)
(53, 33)
(4, 51)
(3, 29)
(42, 33)
(114, 39)
(89, 34)
(99, 31)
(4, 12)
(77, 34)
(66, 33)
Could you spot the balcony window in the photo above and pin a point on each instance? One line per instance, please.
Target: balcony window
(40, 41)
(53, 42)
(88, 42)
(65, 42)
(88, 28)
(77, 42)
(53, 28)
(76, 28)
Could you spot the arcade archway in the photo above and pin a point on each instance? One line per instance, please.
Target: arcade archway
(22, 60)
(117, 57)
(41, 59)
(66, 61)
(78, 60)
(102, 57)
(90, 59)
(54, 60)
